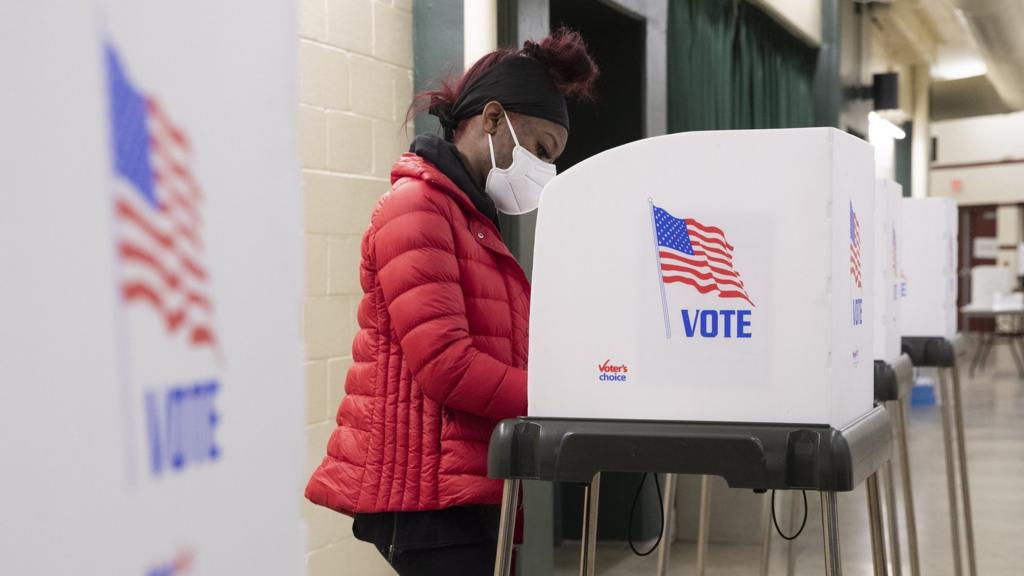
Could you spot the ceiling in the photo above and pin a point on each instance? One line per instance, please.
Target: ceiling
(973, 96)
(956, 55)
(935, 33)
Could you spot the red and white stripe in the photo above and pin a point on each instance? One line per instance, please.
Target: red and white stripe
(855, 251)
(160, 249)
(709, 269)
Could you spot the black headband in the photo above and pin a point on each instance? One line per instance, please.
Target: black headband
(521, 84)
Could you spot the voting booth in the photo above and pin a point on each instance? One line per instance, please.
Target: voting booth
(888, 245)
(702, 304)
(928, 307)
(739, 289)
(151, 414)
(893, 378)
(991, 287)
(928, 322)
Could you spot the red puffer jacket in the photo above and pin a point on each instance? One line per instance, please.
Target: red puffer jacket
(439, 359)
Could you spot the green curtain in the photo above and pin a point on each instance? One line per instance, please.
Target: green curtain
(731, 66)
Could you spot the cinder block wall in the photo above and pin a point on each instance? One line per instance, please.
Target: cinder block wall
(355, 61)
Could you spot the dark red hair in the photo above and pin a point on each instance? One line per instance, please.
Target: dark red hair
(564, 54)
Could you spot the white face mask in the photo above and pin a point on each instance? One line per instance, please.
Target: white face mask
(516, 189)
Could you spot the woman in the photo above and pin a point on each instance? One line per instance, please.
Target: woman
(441, 353)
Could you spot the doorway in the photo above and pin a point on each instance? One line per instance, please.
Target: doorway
(616, 39)
(974, 222)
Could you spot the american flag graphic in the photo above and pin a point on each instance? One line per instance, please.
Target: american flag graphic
(855, 247)
(697, 255)
(157, 213)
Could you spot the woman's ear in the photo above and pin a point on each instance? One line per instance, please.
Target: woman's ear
(492, 115)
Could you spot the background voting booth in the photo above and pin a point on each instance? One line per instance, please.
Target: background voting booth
(992, 287)
(719, 326)
(888, 238)
(893, 370)
(928, 323)
(928, 307)
(148, 415)
(893, 379)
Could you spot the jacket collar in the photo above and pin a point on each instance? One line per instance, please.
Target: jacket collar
(410, 165)
(445, 157)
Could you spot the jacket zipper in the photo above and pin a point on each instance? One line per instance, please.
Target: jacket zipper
(394, 531)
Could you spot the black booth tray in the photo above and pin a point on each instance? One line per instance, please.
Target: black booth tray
(932, 351)
(755, 456)
(893, 380)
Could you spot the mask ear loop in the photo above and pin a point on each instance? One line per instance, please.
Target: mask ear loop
(490, 145)
(510, 129)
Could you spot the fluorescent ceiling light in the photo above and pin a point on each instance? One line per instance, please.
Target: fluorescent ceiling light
(886, 127)
(959, 70)
(957, 62)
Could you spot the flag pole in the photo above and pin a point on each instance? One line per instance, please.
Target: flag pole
(661, 279)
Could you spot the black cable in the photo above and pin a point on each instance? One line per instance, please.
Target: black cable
(802, 524)
(632, 512)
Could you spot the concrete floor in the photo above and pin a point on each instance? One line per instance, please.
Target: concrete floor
(994, 419)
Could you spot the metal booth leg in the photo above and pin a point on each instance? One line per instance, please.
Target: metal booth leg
(794, 523)
(892, 518)
(830, 534)
(704, 524)
(989, 342)
(947, 439)
(507, 527)
(588, 543)
(900, 418)
(976, 361)
(965, 491)
(890, 507)
(668, 508)
(766, 533)
(877, 530)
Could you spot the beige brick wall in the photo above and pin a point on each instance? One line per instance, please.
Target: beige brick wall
(355, 60)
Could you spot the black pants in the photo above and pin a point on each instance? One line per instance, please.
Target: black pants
(476, 559)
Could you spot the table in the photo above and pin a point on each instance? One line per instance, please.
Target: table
(1014, 338)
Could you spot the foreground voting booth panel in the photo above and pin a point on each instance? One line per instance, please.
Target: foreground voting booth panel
(151, 408)
(737, 290)
(717, 321)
